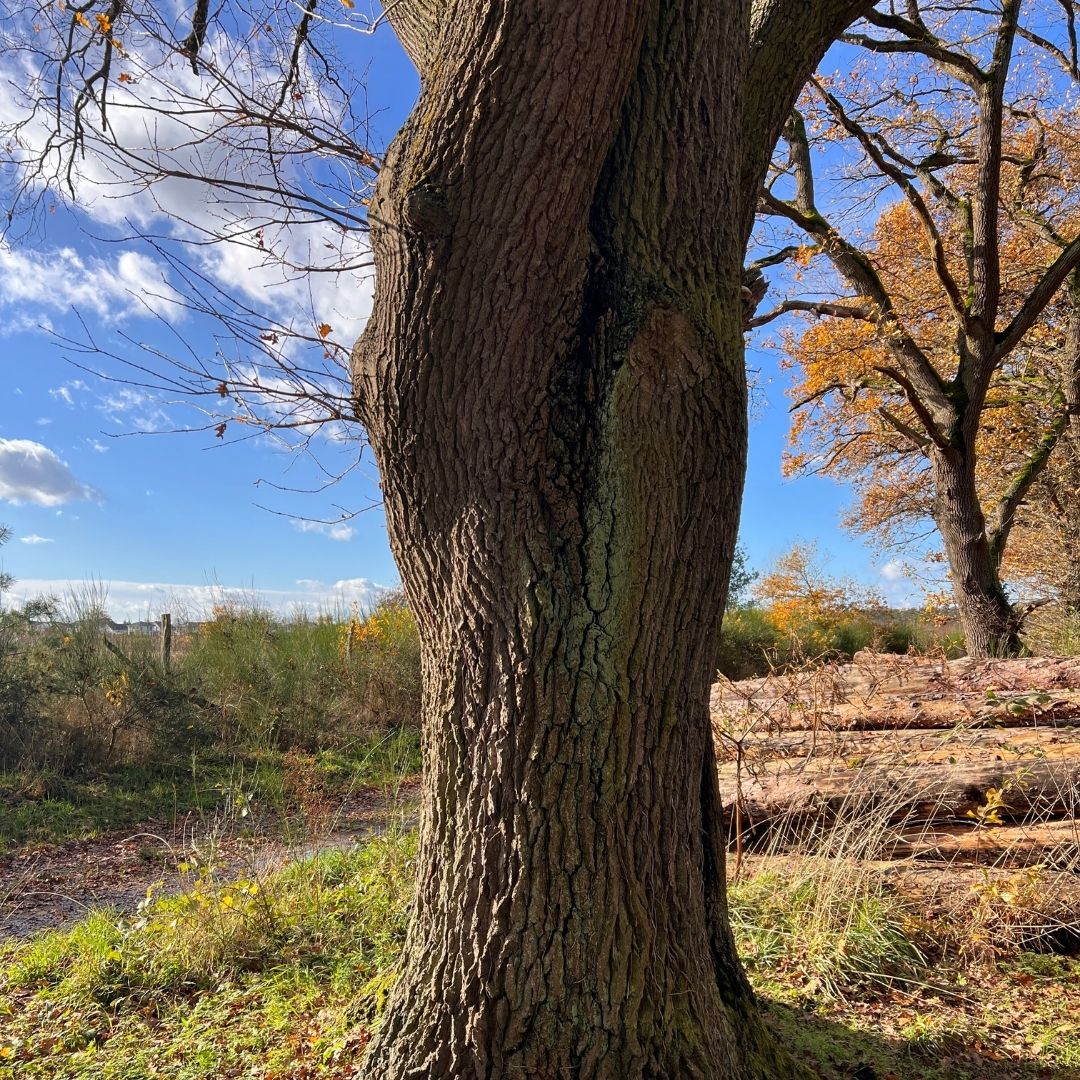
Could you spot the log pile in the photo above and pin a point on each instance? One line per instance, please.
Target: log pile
(908, 757)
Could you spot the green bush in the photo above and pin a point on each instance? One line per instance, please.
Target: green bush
(271, 681)
(752, 643)
(749, 643)
(245, 684)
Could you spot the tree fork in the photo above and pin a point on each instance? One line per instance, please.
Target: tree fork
(552, 383)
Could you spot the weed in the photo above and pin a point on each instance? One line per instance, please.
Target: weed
(288, 969)
(837, 937)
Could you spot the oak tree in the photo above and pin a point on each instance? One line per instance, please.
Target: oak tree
(942, 376)
(552, 382)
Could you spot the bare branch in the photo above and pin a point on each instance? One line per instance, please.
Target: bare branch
(857, 269)
(813, 307)
(916, 37)
(911, 193)
(1037, 299)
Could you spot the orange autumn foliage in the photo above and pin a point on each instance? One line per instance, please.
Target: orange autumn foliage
(854, 423)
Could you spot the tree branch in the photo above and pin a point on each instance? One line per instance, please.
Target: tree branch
(917, 405)
(774, 258)
(857, 269)
(920, 440)
(813, 307)
(1001, 521)
(916, 37)
(1037, 300)
(986, 282)
(787, 40)
(911, 193)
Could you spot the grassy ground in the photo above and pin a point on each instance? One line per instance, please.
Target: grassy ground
(39, 806)
(856, 973)
(284, 976)
(280, 976)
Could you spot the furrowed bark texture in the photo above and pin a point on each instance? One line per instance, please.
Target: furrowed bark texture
(552, 381)
(991, 627)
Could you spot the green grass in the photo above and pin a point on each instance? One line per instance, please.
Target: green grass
(813, 936)
(217, 980)
(43, 807)
(37, 807)
(286, 976)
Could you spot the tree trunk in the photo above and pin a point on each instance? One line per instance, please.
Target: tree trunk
(1063, 483)
(990, 624)
(552, 382)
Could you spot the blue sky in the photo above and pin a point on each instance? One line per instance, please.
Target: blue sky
(178, 520)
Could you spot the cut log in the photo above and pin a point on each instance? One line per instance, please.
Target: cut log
(1054, 844)
(787, 806)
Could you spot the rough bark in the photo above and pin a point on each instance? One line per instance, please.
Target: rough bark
(552, 382)
(991, 627)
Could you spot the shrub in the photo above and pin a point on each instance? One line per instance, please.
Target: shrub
(749, 641)
(380, 656)
(246, 684)
(271, 680)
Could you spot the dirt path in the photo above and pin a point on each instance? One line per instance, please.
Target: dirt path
(48, 886)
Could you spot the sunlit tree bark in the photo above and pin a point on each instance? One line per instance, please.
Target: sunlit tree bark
(552, 381)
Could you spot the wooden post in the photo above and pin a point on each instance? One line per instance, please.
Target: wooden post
(166, 640)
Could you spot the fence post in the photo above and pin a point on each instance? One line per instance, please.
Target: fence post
(166, 640)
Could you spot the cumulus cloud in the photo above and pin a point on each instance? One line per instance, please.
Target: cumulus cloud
(33, 538)
(335, 530)
(113, 290)
(893, 570)
(32, 473)
(145, 600)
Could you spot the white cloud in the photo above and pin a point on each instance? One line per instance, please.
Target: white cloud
(134, 409)
(113, 290)
(33, 538)
(335, 530)
(97, 446)
(893, 570)
(32, 473)
(23, 322)
(189, 131)
(139, 600)
(66, 391)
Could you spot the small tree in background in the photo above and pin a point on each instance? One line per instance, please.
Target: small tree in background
(742, 578)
